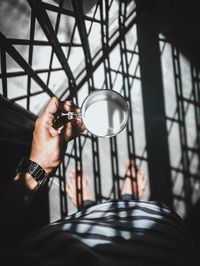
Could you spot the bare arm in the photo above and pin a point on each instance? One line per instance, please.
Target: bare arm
(48, 147)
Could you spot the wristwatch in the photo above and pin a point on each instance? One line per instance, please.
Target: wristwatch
(35, 170)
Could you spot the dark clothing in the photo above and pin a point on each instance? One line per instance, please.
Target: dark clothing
(116, 233)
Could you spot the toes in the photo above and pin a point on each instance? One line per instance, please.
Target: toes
(135, 178)
(77, 186)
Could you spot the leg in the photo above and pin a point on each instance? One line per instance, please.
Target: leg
(78, 190)
(134, 182)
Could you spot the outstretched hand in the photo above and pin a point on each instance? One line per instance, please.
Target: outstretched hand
(51, 135)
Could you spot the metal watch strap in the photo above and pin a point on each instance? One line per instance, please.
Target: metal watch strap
(34, 169)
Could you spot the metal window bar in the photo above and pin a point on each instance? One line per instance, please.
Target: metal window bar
(196, 101)
(182, 129)
(9, 48)
(127, 86)
(56, 31)
(45, 23)
(109, 42)
(30, 58)
(196, 97)
(104, 7)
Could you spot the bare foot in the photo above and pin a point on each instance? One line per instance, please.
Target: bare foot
(134, 181)
(77, 188)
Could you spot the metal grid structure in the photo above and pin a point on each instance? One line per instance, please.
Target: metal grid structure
(69, 49)
(183, 124)
(90, 38)
(83, 59)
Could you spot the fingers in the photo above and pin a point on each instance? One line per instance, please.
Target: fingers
(54, 109)
(69, 106)
(69, 129)
(55, 106)
(73, 129)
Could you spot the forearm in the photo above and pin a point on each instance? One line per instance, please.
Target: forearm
(47, 151)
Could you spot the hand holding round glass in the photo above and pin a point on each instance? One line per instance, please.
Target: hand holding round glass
(104, 113)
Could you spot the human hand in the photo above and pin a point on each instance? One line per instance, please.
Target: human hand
(50, 136)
